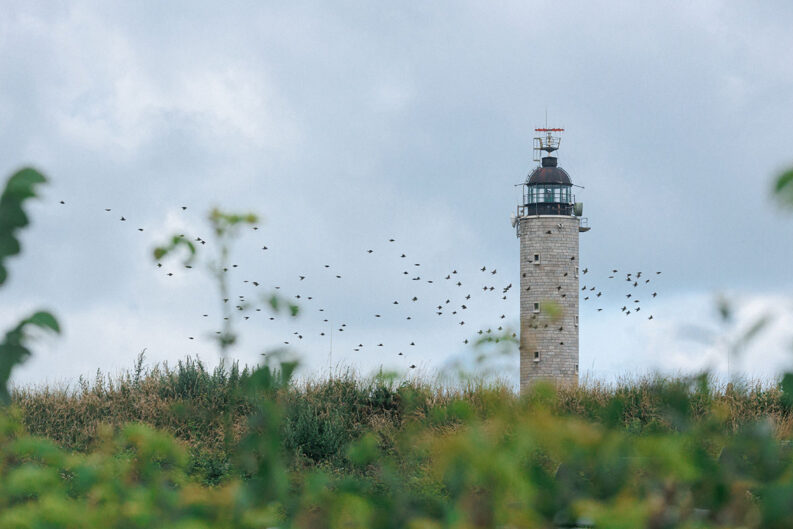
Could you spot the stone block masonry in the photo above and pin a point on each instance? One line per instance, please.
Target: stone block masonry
(549, 283)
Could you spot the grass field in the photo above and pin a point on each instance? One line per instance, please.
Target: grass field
(207, 412)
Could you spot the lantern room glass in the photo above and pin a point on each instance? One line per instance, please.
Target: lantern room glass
(549, 194)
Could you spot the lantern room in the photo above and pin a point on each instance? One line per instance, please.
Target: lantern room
(548, 188)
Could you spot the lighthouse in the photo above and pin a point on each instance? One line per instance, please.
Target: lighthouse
(548, 223)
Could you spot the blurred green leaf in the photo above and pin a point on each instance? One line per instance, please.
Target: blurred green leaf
(783, 188)
(20, 187)
(223, 222)
(754, 329)
(14, 348)
(787, 390)
(175, 243)
(274, 302)
(552, 309)
(724, 307)
(45, 320)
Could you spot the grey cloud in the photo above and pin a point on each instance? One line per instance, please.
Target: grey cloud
(346, 125)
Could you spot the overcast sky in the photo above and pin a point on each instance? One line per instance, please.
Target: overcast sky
(344, 126)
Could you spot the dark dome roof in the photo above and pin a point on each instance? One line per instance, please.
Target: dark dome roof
(549, 173)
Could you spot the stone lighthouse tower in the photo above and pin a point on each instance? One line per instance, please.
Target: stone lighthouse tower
(548, 222)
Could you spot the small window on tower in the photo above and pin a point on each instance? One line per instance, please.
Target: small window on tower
(536, 307)
(576, 369)
(575, 318)
(576, 271)
(536, 356)
(536, 258)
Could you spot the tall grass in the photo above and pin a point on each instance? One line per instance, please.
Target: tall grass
(322, 417)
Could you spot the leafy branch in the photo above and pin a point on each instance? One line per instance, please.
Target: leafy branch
(225, 228)
(14, 349)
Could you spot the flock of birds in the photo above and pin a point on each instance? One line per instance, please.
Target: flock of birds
(449, 297)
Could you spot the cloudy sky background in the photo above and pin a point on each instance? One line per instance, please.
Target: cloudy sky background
(347, 125)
